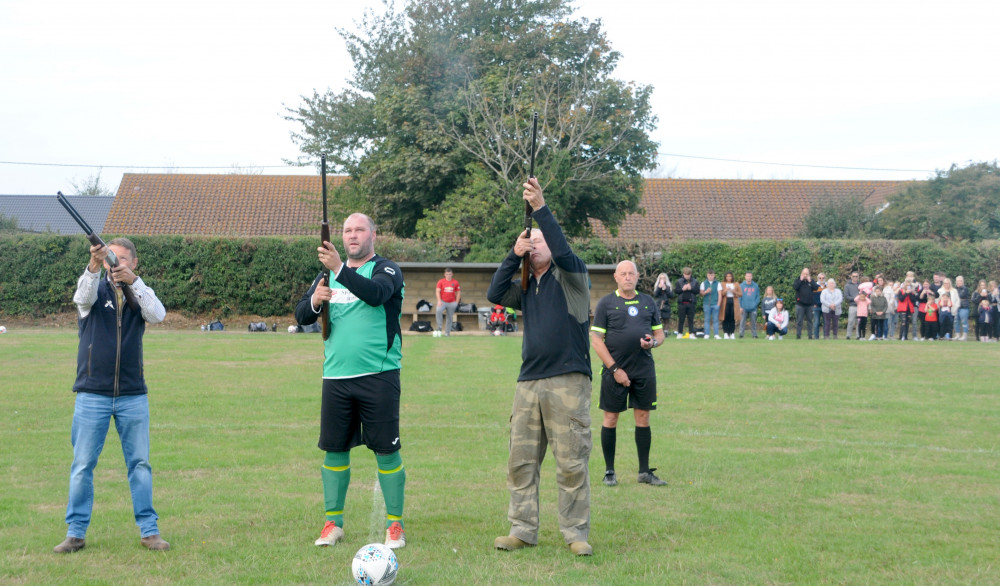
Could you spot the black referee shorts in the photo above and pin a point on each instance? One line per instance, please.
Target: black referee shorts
(616, 398)
(360, 410)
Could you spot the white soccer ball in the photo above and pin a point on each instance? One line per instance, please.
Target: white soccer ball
(292, 329)
(374, 565)
(3, 329)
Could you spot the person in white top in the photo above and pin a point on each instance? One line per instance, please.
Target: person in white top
(777, 320)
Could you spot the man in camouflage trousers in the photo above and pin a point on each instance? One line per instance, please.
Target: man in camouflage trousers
(552, 400)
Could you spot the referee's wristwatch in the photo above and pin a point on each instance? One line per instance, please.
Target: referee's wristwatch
(613, 368)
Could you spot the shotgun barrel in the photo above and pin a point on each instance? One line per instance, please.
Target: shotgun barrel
(324, 236)
(526, 261)
(96, 240)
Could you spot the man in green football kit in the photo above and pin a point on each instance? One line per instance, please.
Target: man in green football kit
(626, 327)
(360, 372)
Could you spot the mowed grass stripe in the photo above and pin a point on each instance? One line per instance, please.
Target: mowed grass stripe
(788, 462)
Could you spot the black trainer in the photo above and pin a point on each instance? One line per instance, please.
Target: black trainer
(649, 478)
(610, 479)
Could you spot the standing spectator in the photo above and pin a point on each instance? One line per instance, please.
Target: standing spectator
(946, 323)
(361, 382)
(687, 292)
(994, 304)
(936, 285)
(930, 316)
(767, 302)
(889, 292)
(777, 320)
(863, 303)
(962, 326)
(851, 293)
(803, 287)
(978, 295)
(552, 399)
(626, 327)
(662, 294)
(729, 305)
(983, 321)
(709, 291)
(879, 308)
(917, 320)
(831, 301)
(906, 305)
(819, 285)
(449, 295)
(748, 304)
(923, 297)
(110, 383)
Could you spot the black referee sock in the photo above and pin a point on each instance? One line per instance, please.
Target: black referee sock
(643, 439)
(608, 439)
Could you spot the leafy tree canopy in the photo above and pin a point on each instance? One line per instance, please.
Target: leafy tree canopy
(434, 129)
(962, 203)
(840, 218)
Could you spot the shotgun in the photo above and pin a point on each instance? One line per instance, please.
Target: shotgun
(526, 261)
(324, 236)
(96, 240)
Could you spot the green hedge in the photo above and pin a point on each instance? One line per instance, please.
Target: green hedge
(266, 276)
(779, 262)
(198, 276)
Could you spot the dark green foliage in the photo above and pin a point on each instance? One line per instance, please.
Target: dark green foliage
(8, 225)
(957, 204)
(434, 130)
(840, 218)
(266, 276)
(778, 262)
(204, 276)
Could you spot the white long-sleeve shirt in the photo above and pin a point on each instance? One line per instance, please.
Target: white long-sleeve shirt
(86, 295)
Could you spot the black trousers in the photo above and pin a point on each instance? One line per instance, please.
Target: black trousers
(685, 311)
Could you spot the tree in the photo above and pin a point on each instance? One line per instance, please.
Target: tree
(435, 126)
(8, 224)
(92, 186)
(962, 203)
(840, 218)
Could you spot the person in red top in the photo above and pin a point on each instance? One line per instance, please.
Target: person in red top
(449, 294)
(931, 317)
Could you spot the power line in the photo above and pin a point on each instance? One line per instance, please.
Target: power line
(794, 164)
(143, 166)
(35, 164)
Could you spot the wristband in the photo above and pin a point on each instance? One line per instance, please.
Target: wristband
(613, 368)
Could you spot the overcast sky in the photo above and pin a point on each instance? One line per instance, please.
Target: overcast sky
(900, 87)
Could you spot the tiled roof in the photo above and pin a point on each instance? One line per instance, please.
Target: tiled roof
(224, 205)
(676, 209)
(734, 209)
(43, 213)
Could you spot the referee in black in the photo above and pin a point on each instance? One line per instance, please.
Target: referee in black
(626, 327)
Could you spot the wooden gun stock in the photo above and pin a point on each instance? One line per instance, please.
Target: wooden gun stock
(324, 236)
(96, 240)
(526, 261)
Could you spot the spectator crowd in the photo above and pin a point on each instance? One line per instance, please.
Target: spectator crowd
(860, 307)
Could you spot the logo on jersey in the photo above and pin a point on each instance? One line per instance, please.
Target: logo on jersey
(109, 304)
(633, 311)
(389, 270)
(343, 296)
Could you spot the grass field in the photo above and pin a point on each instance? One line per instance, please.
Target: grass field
(789, 462)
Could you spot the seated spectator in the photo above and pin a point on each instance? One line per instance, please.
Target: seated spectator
(777, 320)
(498, 320)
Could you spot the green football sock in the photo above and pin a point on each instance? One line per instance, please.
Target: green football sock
(336, 478)
(392, 479)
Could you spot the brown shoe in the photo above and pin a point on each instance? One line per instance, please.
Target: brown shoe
(154, 543)
(510, 543)
(70, 544)
(581, 548)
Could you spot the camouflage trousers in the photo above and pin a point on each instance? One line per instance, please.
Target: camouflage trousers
(553, 411)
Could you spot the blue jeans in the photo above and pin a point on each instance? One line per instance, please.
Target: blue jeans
(711, 318)
(817, 320)
(91, 419)
(963, 321)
